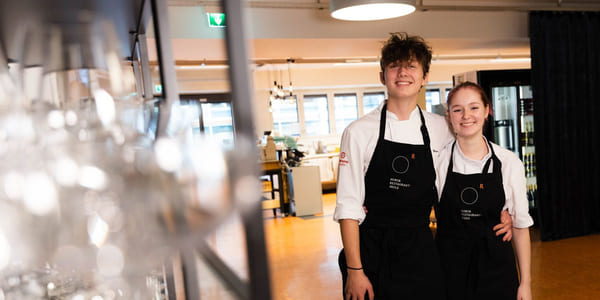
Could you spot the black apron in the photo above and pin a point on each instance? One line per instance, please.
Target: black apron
(397, 249)
(477, 263)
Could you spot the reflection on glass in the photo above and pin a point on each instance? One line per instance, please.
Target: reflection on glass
(372, 100)
(90, 206)
(211, 119)
(316, 115)
(346, 110)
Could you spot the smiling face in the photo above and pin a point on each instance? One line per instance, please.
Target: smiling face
(467, 112)
(404, 62)
(403, 79)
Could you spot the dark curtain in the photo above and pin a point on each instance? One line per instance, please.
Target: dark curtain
(565, 67)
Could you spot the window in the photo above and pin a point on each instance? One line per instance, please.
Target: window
(316, 115)
(346, 110)
(217, 122)
(432, 97)
(285, 116)
(372, 100)
(211, 116)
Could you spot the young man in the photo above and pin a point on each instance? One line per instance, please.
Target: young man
(386, 185)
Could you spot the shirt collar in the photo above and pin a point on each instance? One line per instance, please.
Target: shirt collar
(414, 115)
(482, 161)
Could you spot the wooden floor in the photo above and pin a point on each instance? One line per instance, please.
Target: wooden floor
(303, 260)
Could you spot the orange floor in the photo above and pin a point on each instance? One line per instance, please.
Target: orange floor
(303, 260)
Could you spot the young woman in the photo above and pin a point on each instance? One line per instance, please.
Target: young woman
(476, 181)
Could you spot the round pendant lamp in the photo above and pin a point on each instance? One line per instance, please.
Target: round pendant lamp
(368, 10)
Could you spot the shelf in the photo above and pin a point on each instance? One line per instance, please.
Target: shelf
(321, 155)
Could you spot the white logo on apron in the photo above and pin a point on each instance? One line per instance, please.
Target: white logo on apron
(400, 164)
(469, 196)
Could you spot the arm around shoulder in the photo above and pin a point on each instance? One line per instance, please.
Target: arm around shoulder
(515, 186)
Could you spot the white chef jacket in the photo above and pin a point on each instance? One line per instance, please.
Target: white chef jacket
(513, 178)
(358, 144)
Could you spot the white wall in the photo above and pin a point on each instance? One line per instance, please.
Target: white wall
(311, 79)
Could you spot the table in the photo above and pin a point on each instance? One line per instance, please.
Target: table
(284, 189)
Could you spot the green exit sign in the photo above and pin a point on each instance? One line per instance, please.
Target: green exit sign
(216, 19)
(158, 88)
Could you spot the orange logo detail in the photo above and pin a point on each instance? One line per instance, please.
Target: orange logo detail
(412, 156)
(481, 186)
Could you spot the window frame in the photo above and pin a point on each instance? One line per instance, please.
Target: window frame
(330, 111)
(298, 118)
(212, 98)
(335, 121)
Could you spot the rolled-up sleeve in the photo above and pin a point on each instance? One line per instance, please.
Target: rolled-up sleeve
(516, 194)
(350, 184)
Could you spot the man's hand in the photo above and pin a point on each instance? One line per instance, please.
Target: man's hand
(505, 226)
(524, 291)
(357, 285)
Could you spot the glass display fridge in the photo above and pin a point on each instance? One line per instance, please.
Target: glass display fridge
(511, 122)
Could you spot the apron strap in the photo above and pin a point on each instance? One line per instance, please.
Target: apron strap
(451, 163)
(495, 159)
(486, 168)
(427, 144)
(382, 124)
(424, 132)
(488, 233)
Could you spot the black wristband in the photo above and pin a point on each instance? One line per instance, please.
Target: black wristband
(351, 268)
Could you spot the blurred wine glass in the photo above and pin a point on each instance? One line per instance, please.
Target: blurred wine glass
(89, 202)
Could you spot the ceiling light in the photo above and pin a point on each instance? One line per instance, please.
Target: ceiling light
(368, 10)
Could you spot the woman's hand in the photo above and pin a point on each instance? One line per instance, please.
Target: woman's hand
(357, 285)
(524, 292)
(505, 226)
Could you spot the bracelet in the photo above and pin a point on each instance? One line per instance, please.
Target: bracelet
(351, 268)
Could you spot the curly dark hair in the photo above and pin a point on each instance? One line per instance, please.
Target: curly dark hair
(403, 47)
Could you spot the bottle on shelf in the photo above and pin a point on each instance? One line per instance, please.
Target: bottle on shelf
(524, 137)
(533, 168)
(526, 164)
(529, 164)
(530, 107)
(531, 196)
(530, 133)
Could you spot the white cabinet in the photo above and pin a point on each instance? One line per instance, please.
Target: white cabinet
(328, 167)
(307, 190)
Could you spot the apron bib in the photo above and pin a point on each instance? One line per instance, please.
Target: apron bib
(476, 262)
(397, 249)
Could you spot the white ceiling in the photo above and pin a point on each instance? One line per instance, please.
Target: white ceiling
(304, 31)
